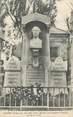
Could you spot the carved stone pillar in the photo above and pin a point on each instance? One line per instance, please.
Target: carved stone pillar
(24, 59)
(47, 61)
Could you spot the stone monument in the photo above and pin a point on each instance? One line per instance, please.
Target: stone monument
(35, 59)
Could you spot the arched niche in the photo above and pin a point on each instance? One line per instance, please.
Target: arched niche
(43, 27)
(35, 17)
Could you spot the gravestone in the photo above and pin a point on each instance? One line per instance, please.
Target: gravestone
(58, 76)
(12, 72)
(58, 73)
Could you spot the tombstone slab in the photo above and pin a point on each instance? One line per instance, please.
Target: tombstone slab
(12, 73)
(58, 73)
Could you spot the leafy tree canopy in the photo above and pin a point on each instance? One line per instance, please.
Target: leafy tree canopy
(11, 12)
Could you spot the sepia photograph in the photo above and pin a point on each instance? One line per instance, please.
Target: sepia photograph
(36, 55)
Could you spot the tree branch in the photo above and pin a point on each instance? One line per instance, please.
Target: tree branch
(13, 19)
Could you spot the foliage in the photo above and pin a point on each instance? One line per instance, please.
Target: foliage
(11, 12)
(25, 96)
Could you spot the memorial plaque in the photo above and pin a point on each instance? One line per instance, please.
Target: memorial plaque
(12, 73)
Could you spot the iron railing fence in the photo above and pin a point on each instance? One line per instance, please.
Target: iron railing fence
(51, 97)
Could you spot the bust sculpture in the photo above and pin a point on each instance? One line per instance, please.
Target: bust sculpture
(35, 45)
(36, 42)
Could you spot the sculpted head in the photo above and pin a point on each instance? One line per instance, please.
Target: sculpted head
(36, 30)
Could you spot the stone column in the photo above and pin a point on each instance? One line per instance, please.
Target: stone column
(47, 65)
(24, 59)
(47, 61)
